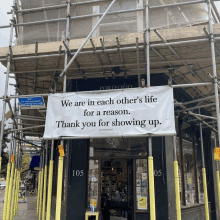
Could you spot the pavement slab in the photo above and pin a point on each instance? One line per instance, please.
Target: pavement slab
(25, 211)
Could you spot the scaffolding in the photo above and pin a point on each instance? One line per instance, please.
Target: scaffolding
(188, 55)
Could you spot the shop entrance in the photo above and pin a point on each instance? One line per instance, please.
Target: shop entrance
(117, 189)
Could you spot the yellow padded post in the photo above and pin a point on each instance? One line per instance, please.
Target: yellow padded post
(41, 192)
(151, 188)
(13, 195)
(177, 191)
(10, 192)
(16, 193)
(19, 177)
(205, 194)
(218, 186)
(59, 188)
(45, 192)
(38, 191)
(49, 193)
(6, 189)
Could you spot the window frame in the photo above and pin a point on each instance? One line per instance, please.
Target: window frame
(134, 157)
(195, 158)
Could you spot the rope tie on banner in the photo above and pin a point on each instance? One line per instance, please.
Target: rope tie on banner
(12, 158)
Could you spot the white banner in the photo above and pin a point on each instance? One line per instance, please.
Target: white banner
(129, 112)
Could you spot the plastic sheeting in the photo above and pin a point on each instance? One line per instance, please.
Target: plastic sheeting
(123, 23)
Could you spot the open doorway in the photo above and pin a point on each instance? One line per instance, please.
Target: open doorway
(117, 189)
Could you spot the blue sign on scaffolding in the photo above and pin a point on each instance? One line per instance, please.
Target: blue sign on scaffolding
(32, 102)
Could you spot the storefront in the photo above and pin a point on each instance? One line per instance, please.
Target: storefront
(112, 173)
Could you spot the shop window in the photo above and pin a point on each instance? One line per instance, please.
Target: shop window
(141, 184)
(93, 181)
(199, 173)
(191, 186)
(189, 173)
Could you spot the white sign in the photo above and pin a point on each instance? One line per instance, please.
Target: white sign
(129, 112)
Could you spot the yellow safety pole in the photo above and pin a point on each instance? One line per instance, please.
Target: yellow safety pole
(13, 195)
(217, 157)
(204, 175)
(16, 193)
(10, 188)
(59, 182)
(16, 183)
(205, 194)
(44, 194)
(45, 185)
(176, 181)
(38, 190)
(41, 188)
(218, 185)
(41, 192)
(49, 193)
(6, 190)
(7, 181)
(177, 190)
(19, 178)
(151, 182)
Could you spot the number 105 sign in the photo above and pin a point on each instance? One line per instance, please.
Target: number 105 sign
(78, 172)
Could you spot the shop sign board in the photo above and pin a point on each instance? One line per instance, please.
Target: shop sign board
(128, 112)
(31, 102)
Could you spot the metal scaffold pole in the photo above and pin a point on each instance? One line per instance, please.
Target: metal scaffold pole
(176, 179)
(49, 194)
(6, 82)
(17, 173)
(14, 182)
(41, 186)
(150, 157)
(45, 184)
(89, 35)
(59, 181)
(7, 179)
(9, 167)
(217, 171)
(204, 175)
(211, 37)
(39, 182)
(17, 189)
(8, 209)
(61, 158)
(18, 186)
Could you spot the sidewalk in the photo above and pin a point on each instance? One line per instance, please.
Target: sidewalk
(26, 211)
